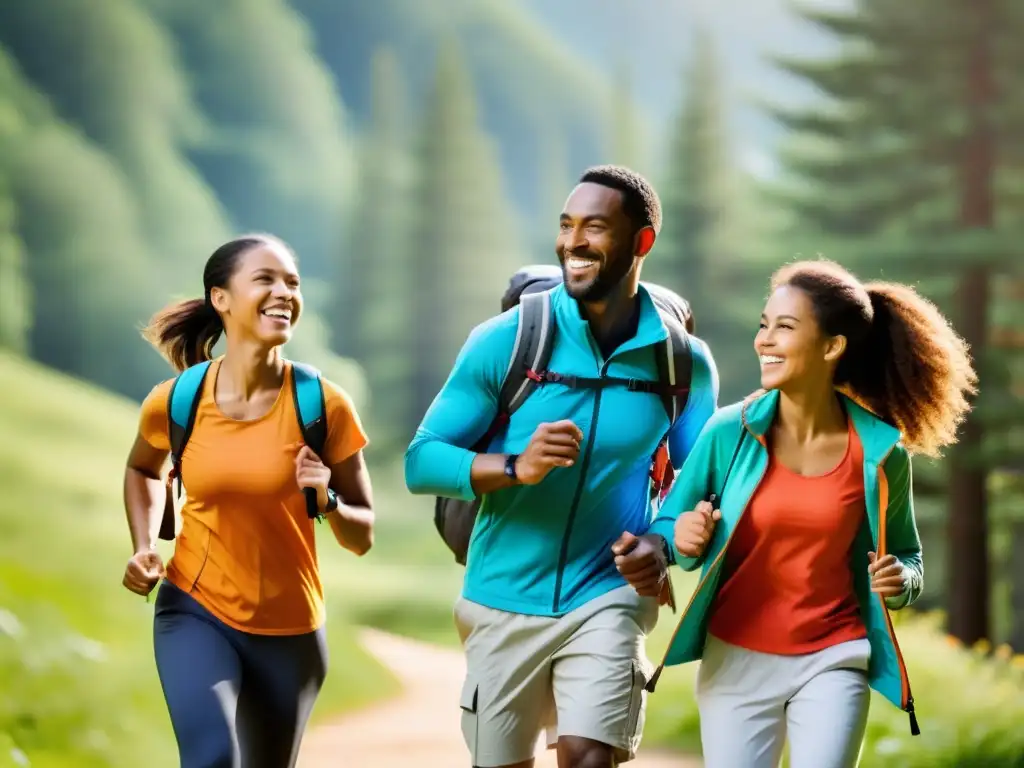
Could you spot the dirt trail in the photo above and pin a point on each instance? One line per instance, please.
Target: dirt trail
(421, 725)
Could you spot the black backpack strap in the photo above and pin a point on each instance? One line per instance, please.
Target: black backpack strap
(532, 350)
(674, 358)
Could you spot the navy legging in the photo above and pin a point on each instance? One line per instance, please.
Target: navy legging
(236, 700)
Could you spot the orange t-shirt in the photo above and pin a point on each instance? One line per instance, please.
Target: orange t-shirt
(788, 586)
(247, 549)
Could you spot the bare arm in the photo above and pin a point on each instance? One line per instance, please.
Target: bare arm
(352, 521)
(144, 494)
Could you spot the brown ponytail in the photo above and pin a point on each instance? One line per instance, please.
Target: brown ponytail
(904, 360)
(186, 332)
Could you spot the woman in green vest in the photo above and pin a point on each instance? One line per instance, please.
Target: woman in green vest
(796, 504)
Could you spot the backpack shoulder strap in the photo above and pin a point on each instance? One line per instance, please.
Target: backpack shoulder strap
(674, 358)
(182, 406)
(532, 351)
(308, 393)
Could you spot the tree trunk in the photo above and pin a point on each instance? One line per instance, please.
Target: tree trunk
(968, 557)
(1016, 569)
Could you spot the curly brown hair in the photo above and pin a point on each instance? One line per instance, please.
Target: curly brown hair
(903, 361)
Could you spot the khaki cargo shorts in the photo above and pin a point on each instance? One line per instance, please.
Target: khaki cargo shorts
(579, 675)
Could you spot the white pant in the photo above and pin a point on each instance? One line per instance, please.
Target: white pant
(750, 701)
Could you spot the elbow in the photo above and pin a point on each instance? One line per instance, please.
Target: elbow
(363, 545)
(414, 479)
(360, 541)
(436, 468)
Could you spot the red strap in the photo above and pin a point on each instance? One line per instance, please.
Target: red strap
(660, 468)
(666, 484)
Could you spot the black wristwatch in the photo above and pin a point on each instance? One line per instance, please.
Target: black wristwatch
(667, 549)
(510, 467)
(332, 501)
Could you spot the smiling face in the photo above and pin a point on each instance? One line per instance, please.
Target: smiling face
(595, 243)
(262, 300)
(792, 348)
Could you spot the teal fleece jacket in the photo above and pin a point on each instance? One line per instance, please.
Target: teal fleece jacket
(546, 549)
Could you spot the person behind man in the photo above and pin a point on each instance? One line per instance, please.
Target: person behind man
(551, 629)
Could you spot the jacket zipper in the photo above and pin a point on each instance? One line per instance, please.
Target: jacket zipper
(653, 682)
(907, 698)
(563, 555)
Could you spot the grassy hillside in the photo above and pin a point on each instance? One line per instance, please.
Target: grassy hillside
(79, 684)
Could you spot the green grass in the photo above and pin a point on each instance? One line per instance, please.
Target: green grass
(79, 683)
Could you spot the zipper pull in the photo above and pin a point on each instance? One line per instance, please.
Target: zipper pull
(653, 682)
(915, 729)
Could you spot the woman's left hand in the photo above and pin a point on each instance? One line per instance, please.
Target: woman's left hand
(310, 472)
(886, 575)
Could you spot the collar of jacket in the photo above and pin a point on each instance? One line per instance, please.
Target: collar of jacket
(877, 437)
(575, 327)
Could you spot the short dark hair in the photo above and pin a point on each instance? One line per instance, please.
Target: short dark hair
(639, 200)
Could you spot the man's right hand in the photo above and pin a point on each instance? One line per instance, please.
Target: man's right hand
(694, 529)
(552, 445)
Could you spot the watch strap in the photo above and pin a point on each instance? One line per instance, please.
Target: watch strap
(510, 466)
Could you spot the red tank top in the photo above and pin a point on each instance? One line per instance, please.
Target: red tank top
(787, 586)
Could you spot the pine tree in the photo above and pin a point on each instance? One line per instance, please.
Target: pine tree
(910, 175)
(375, 273)
(696, 253)
(466, 244)
(110, 70)
(625, 144)
(74, 233)
(274, 147)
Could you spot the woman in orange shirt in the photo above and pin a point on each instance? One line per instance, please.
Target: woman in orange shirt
(238, 627)
(813, 540)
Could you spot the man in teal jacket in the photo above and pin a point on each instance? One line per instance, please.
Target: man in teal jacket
(552, 632)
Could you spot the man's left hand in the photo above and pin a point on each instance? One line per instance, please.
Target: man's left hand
(641, 561)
